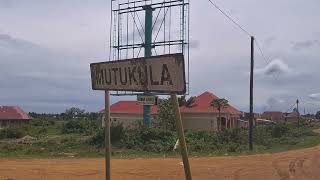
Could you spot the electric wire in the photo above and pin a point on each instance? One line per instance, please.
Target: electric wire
(290, 107)
(242, 29)
(261, 52)
(230, 18)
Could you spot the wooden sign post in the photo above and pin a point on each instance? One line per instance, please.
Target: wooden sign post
(182, 140)
(165, 74)
(107, 135)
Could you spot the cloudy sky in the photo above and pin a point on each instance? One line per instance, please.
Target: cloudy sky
(46, 48)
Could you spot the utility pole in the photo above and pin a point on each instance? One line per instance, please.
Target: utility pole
(298, 112)
(251, 95)
(147, 53)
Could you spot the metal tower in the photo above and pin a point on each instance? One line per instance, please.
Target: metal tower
(143, 28)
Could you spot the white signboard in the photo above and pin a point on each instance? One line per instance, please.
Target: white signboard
(164, 73)
(146, 100)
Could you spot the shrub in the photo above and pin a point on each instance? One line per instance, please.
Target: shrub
(201, 141)
(166, 118)
(149, 139)
(280, 130)
(262, 135)
(11, 133)
(230, 135)
(116, 132)
(79, 126)
(41, 122)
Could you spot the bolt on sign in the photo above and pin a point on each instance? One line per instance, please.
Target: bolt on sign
(146, 100)
(165, 73)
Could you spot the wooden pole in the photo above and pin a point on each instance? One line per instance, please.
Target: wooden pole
(183, 146)
(251, 95)
(107, 135)
(298, 113)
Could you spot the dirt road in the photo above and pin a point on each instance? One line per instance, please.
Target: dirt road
(291, 165)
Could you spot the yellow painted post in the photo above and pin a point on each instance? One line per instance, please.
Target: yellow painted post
(183, 146)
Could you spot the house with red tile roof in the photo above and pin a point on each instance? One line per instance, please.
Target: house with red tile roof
(13, 116)
(199, 115)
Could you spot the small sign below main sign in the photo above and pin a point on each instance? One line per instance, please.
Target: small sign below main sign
(164, 73)
(146, 100)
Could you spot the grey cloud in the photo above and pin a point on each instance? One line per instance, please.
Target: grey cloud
(276, 66)
(9, 43)
(315, 96)
(268, 42)
(274, 104)
(32, 75)
(305, 44)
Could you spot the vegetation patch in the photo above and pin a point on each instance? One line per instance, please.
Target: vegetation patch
(79, 134)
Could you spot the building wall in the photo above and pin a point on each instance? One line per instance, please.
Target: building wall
(12, 123)
(192, 121)
(199, 121)
(128, 120)
(208, 121)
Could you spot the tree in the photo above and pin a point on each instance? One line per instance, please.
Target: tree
(190, 101)
(318, 115)
(166, 118)
(73, 112)
(182, 100)
(220, 104)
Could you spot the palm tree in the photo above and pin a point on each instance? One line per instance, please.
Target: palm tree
(182, 100)
(190, 101)
(220, 104)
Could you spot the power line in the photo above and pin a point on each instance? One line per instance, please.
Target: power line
(290, 107)
(230, 18)
(242, 29)
(268, 60)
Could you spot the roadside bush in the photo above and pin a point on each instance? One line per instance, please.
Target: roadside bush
(149, 139)
(35, 130)
(262, 135)
(280, 130)
(80, 126)
(116, 132)
(230, 136)
(288, 141)
(11, 133)
(201, 141)
(231, 140)
(158, 139)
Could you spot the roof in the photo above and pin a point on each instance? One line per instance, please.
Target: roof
(202, 104)
(13, 113)
(292, 114)
(129, 107)
(273, 114)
